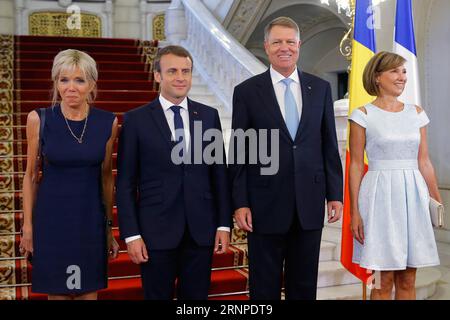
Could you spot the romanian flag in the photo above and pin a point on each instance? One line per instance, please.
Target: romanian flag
(363, 48)
(405, 45)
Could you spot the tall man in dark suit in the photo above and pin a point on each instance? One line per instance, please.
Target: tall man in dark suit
(171, 215)
(284, 213)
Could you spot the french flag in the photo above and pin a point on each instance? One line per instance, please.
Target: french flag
(405, 45)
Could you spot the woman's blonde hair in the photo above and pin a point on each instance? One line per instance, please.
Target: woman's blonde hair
(69, 60)
(381, 62)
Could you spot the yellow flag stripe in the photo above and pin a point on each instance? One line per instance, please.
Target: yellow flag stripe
(357, 94)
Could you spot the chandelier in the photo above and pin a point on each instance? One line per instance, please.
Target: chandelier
(347, 6)
(344, 6)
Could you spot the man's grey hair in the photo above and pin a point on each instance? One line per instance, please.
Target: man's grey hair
(284, 22)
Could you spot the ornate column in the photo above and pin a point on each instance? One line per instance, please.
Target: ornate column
(175, 24)
(109, 18)
(20, 7)
(144, 24)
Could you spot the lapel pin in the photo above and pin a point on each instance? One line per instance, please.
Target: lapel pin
(195, 112)
(309, 87)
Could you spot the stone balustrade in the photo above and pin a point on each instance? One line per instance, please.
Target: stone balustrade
(220, 59)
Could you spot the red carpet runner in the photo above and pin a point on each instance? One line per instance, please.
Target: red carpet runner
(124, 83)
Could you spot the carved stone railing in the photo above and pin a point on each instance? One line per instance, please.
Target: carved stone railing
(221, 60)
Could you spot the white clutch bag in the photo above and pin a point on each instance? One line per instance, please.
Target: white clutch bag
(437, 213)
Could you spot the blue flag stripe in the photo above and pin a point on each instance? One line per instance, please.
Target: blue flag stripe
(404, 26)
(364, 29)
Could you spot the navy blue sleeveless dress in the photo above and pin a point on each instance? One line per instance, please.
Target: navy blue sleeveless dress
(69, 221)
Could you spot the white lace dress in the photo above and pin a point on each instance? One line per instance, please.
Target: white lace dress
(393, 198)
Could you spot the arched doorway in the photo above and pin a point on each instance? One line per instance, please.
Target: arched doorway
(321, 32)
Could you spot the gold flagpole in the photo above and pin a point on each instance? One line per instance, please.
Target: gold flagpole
(364, 291)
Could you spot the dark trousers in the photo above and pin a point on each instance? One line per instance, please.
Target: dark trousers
(188, 264)
(299, 251)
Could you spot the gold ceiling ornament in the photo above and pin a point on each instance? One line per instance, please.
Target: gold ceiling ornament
(343, 6)
(61, 24)
(348, 8)
(158, 27)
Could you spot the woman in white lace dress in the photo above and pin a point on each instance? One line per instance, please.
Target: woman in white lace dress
(390, 214)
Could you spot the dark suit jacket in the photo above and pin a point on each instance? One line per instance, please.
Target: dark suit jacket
(157, 198)
(310, 168)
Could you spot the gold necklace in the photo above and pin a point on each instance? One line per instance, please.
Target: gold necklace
(80, 139)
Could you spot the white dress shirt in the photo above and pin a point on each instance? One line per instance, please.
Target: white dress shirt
(280, 89)
(166, 104)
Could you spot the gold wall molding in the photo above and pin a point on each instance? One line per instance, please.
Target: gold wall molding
(158, 27)
(55, 24)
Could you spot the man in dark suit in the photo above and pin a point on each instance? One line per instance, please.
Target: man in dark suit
(283, 213)
(171, 215)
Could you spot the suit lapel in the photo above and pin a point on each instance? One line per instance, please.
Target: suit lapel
(307, 89)
(156, 112)
(267, 95)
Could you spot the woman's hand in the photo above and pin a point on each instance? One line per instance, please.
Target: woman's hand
(357, 228)
(26, 242)
(113, 246)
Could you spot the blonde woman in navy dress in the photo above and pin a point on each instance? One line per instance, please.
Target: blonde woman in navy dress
(390, 218)
(66, 218)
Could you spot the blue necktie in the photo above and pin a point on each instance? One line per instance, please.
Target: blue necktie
(291, 111)
(178, 125)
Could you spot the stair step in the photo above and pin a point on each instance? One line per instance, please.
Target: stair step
(224, 281)
(335, 225)
(103, 75)
(102, 95)
(332, 273)
(340, 292)
(16, 163)
(122, 266)
(77, 40)
(88, 48)
(47, 84)
(101, 66)
(113, 106)
(333, 235)
(426, 286)
(117, 57)
(327, 251)
(444, 253)
(20, 118)
(442, 235)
